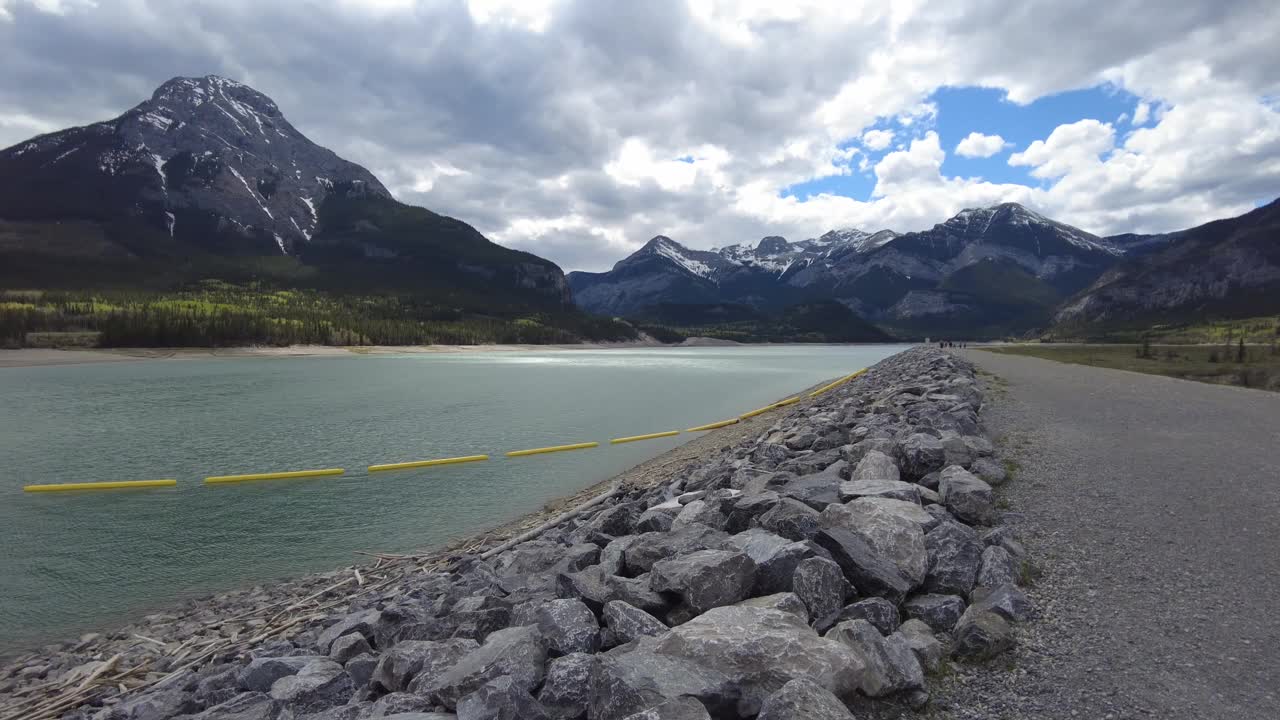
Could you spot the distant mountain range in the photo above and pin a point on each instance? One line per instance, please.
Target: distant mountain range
(207, 179)
(208, 170)
(985, 272)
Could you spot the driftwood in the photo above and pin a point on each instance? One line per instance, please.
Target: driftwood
(530, 534)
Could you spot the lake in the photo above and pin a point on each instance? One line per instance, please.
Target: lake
(75, 562)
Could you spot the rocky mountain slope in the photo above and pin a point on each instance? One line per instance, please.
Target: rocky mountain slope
(210, 168)
(984, 270)
(1226, 268)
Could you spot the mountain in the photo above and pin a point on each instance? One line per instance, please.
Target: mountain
(207, 177)
(1223, 269)
(986, 271)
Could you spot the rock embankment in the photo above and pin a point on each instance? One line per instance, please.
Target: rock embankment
(835, 561)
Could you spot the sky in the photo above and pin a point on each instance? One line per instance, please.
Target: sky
(578, 129)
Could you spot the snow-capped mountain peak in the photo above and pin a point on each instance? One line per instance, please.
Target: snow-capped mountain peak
(203, 154)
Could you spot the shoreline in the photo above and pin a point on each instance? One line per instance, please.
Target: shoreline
(653, 472)
(54, 357)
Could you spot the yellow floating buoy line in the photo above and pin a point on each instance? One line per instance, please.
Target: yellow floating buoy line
(226, 479)
(221, 479)
(553, 449)
(837, 383)
(115, 485)
(650, 436)
(429, 463)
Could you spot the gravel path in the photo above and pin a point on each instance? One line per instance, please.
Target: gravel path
(1152, 506)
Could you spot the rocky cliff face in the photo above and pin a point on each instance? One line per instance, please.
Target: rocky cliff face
(211, 167)
(1227, 267)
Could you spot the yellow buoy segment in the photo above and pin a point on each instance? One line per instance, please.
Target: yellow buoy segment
(650, 436)
(117, 485)
(553, 448)
(218, 479)
(788, 401)
(837, 383)
(428, 463)
(714, 425)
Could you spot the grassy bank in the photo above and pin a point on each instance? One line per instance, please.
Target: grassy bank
(1256, 366)
(214, 313)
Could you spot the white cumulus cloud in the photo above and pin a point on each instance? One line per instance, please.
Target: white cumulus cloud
(977, 145)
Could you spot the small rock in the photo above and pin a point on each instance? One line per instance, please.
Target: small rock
(921, 455)
(567, 689)
(631, 623)
(803, 699)
(791, 519)
(954, 552)
(1007, 601)
(820, 585)
(347, 647)
(990, 471)
(939, 612)
(926, 647)
(359, 622)
(879, 612)
(996, 568)
(501, 699)
(320, 685)
(890, 665)
(982, 634)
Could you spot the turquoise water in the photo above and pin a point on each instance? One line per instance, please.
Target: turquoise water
(80, 561)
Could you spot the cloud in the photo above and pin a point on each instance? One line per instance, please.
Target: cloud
(877, 139)
(1141, 113)
(557, 126)
(977, 145)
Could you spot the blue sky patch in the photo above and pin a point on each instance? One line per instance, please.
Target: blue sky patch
(962, 110)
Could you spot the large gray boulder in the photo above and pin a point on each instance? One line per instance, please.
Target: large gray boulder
(879, 612)
(803, 699)
(502, 698)
(775, 558)
(747, 509)
(923, 643)
(634, 677)
(895, 489)
(566, 692)
(361, 622)
(347, 647)
(820, 585)
(261, 673)
(761, 650)
(567, 625)
(700, 512)
(596, 587)
(631, 623)
(954, 555)
(982, 634)
(891, 536)
(989, 471)
(966, 496)
(320, 685)
(658, 518)
(876, 465)
(921, 455)
(519, 652)
(940, 612)
(649, 548)
(398, 666)
(905, 509)
(1006, 600)
(791, 519)
(705, 579)
(868, 571)
(819, 489)
(681, 708)
(361, 668)
(890, 665)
